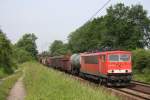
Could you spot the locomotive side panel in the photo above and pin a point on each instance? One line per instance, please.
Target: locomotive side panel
(90, 65)
(103, 64)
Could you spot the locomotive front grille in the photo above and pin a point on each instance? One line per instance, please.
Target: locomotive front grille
(119, 78)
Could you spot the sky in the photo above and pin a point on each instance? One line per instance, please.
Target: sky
(51, 19)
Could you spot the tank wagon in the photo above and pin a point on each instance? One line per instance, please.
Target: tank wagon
(113, 68)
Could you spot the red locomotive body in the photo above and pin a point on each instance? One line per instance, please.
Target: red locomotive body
(111, 66)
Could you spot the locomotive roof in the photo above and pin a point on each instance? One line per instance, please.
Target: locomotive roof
(105, 52)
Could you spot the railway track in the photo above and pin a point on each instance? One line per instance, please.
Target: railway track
(133, 92)
(141, 83)
(136, 90)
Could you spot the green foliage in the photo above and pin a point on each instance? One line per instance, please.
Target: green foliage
(3, 73)
(143, 77)
(20, 55)
(5, 54)
(126, 26)
(141, 65)
(28, 43)
(122, 27)
(58, 48)
(141, 60)
(88, 36)
(54, 85)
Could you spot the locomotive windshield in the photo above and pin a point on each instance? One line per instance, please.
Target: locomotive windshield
(113, 57)
(119, 58)
(124, 57)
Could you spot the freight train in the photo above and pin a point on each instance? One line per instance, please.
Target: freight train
(112, 68)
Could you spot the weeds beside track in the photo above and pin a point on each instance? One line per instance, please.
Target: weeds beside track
(43, 83)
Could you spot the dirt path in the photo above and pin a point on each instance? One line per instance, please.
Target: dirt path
(18, 91)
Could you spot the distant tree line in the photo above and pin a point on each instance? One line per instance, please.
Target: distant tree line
(58, 48)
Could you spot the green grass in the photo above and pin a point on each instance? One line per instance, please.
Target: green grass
(7, 84)
(2, 73)
(43, 83)
(142, 77)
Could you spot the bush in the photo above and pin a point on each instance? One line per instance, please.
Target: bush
(6, 61)
(141, 60)
(21, 56)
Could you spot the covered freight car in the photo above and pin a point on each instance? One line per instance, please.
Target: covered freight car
(61, 62)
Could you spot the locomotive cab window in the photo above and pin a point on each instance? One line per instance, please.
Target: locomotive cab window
(114, 58)
(124, 57)
(119, 57)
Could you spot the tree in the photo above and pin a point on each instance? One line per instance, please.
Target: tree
(123, 27)
(6, 61)
(87, 37)
(138, 16)
(20, 55)
(28, 43)
(141, 60)
(126, 26)
(58, 48)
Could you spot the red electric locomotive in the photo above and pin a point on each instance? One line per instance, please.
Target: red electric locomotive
(111, 67)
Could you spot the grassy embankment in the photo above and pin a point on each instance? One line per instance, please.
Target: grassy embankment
(141, 65)
(142, 77)
(47, 84)
(2, 73)
(7, 84)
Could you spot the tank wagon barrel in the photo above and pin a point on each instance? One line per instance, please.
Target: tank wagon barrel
(75, 63)
(75, 60)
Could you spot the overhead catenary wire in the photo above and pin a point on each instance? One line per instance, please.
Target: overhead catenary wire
(99, 10)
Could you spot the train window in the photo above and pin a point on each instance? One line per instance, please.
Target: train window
(113, 58)
(91, 60)
(119, 58)
(124, 57)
